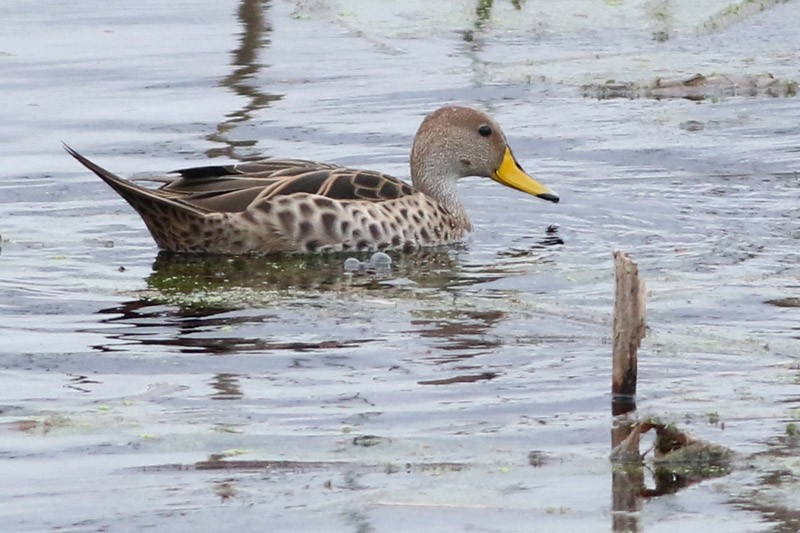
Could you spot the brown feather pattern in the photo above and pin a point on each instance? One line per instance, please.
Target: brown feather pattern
(282, 206)
(295, 205)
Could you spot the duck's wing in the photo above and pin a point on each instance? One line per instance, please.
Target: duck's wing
(233, 188)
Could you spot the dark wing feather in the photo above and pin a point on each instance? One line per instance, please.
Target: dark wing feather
(224, 201)
(233, 188)
(242, 175)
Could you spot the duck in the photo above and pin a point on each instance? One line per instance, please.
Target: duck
(288, 206)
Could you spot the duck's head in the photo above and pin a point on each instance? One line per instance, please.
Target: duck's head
(455, 142)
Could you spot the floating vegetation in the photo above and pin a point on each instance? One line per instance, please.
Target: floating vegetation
(223, 282)
(661, 23)
(785, 302)
(737, 12)
(367, 441)
(697, 87)
(679, 459)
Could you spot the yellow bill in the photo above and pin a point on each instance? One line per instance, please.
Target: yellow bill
(511, 175)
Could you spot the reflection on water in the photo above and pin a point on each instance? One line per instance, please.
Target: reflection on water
(210, 331)
(483, 12)
(203, 282)
(226, 387)
(254, 36)
(461, 335)
(221, 305)
(462, 332)
(227, 282)
(199, 303)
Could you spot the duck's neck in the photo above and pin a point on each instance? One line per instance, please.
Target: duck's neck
(443, 190)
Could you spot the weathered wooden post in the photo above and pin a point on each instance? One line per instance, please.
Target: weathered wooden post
(629, 330)
(627, 478)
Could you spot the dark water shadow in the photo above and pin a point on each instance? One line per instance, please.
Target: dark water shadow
(255, 37)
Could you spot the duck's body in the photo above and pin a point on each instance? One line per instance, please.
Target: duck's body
(295, 206)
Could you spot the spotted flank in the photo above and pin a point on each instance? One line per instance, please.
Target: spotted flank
(278, 206)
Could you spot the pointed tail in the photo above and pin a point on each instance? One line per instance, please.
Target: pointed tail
(139, 197)
(173, 224)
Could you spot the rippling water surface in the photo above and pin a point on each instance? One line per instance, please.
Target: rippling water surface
(466, 388)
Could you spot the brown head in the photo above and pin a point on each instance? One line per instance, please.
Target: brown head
(455, 142)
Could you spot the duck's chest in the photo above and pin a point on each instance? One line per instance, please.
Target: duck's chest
(410, 222)
(309, 223)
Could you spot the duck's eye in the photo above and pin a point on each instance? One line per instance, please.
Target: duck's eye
(485, 130)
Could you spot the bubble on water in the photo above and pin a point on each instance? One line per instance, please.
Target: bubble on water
(380, 260)
(351, 264)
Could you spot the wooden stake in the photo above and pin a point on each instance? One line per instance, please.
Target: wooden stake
(629, 330)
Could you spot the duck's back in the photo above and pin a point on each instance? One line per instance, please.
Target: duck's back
(234, 188)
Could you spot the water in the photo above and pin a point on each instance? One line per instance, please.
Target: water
(464, 389)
